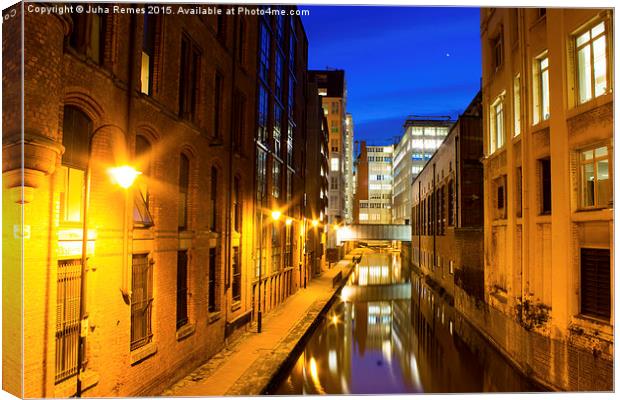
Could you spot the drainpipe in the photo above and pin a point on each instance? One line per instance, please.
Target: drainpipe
(228, 230)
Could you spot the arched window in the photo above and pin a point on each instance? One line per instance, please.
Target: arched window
(141, 215)
(77, 128)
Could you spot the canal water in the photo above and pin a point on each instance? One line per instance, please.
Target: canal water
(391, 333)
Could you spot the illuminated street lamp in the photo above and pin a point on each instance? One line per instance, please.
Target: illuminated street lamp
(124, 176)
(276, 214)
(289, 221)
(315, 222)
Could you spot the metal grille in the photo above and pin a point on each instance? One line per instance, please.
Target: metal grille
(212, 286)
(236, 283)
(141, 301)
(181, 288)
(595, 283)
(67, 318)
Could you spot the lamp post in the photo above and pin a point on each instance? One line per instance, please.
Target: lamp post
(124, 176)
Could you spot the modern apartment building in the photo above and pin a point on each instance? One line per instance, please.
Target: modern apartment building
(423, 135)
(121, 280)
(332, 88)
(348, 167)
(548, 210)
(373, 199)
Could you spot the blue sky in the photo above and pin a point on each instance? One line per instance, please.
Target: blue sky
(398, 61)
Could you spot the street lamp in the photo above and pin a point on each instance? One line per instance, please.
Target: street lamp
(124, 176)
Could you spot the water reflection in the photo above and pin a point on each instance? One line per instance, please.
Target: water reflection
(393, 334)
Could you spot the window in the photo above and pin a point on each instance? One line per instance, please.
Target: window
(88, 35)
(335, 107)
(497, 125)
(237, 204)
(596, 283)
(333, 183)
(217, 104)
(290, 154)
(517, 104)
(263, 109)
(183, 191)
(261, 175)
(497, 47)
(541, 90)
(188, 79)
(214, 226)
(591, 48)
(212, 279)
(277, 130)
(335, 164)
(68, 293)
(334, 145)
(141, 215)
(276, 179)
(236, 275)
(545, 186)
(500, 191)
(182, 316)
(519, 192)
(265, 49)
(77, 128)
(141, 300)
(595, 181)
(279, 74)
(276, 251)
(451, 203)
(147, 73)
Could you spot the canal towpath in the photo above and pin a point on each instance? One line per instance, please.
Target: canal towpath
(246, 365)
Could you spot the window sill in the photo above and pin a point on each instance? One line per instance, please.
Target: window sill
(214, 316)
(235, 306)
(143, 352)
(186, 331)
(592, 326)
(66, 388)
(540, 125)
(595, 214)
(590, 105)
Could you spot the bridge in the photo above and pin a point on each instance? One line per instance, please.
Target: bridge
(360, 232)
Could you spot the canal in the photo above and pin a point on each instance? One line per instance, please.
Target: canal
(391, 333)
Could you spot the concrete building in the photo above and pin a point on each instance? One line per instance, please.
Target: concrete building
(447, 200)
(548, 221)
(373, 198)
(348, 167)
(168, 263)
(332, 88)
(423, 135)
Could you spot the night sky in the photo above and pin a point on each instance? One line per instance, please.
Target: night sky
(398, 61)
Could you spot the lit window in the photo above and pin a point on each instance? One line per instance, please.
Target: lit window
(595, 182)
(497, 125)
(592, 63)
(335, 164)
(148, 53)
(517, 104)
(363, 217)
(541, 90)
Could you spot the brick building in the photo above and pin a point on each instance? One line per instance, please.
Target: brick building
(548, 221)
(423, 135)
(211, 111)
(446, 215)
